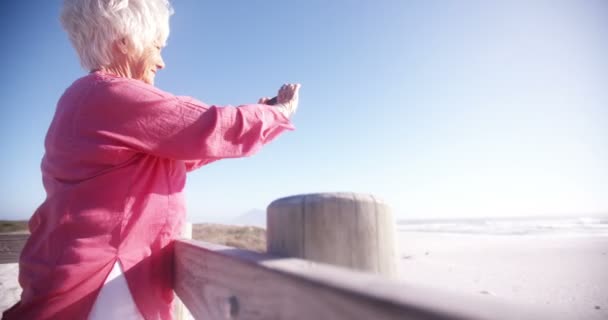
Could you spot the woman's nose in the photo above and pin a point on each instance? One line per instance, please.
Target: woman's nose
(160, 63)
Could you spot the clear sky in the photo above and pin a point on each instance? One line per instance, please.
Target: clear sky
(442, 108)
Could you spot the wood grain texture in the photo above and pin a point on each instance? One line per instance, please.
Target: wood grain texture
(285, 241)
(217, 282)
(11, 245)
(345, 229)
(180, 312)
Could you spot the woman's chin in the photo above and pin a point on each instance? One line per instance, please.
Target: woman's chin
(149, 80)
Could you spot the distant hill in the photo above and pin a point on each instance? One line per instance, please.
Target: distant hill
(253, 217)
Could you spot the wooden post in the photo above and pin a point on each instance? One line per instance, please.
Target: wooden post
(179, 309)
(346, 229)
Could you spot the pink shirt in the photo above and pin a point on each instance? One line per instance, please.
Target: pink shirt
(117, 154)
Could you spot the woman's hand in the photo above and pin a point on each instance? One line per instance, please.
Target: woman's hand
(286, 100)
(268, 101)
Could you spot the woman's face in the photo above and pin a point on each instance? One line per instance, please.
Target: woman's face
(144, 68)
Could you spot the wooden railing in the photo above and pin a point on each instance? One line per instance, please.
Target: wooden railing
(218, 282)
(11, 245)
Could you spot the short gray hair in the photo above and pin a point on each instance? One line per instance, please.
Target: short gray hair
(94, 25)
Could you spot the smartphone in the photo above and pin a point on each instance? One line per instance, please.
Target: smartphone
(272, 101)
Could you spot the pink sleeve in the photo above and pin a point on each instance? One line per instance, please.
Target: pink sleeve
(143, 118)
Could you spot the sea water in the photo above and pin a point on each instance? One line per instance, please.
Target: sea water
(588, 226)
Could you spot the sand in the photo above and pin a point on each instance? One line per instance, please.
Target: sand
(10, 291)
(564, 273)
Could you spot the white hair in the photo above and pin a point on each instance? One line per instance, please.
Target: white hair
(94, 25)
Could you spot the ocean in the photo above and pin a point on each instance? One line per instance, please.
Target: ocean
(566, 226)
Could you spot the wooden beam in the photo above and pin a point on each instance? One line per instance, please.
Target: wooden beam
(217, 282)
(180, 312)
(11, 245)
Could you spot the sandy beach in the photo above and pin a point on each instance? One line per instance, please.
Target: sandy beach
(10, 291)
(564, 273)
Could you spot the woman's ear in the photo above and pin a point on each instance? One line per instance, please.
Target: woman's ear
(122, 45)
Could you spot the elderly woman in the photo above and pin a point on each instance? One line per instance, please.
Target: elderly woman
(116, 157)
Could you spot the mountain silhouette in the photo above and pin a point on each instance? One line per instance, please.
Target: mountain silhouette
(253, 217)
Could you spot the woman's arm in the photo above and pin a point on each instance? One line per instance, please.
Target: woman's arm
(132, 114)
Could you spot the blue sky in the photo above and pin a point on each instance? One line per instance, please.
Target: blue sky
(442, 108)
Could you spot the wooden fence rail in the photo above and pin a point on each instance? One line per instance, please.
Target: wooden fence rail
(218, 282)
(349, 237)
(11, 245)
